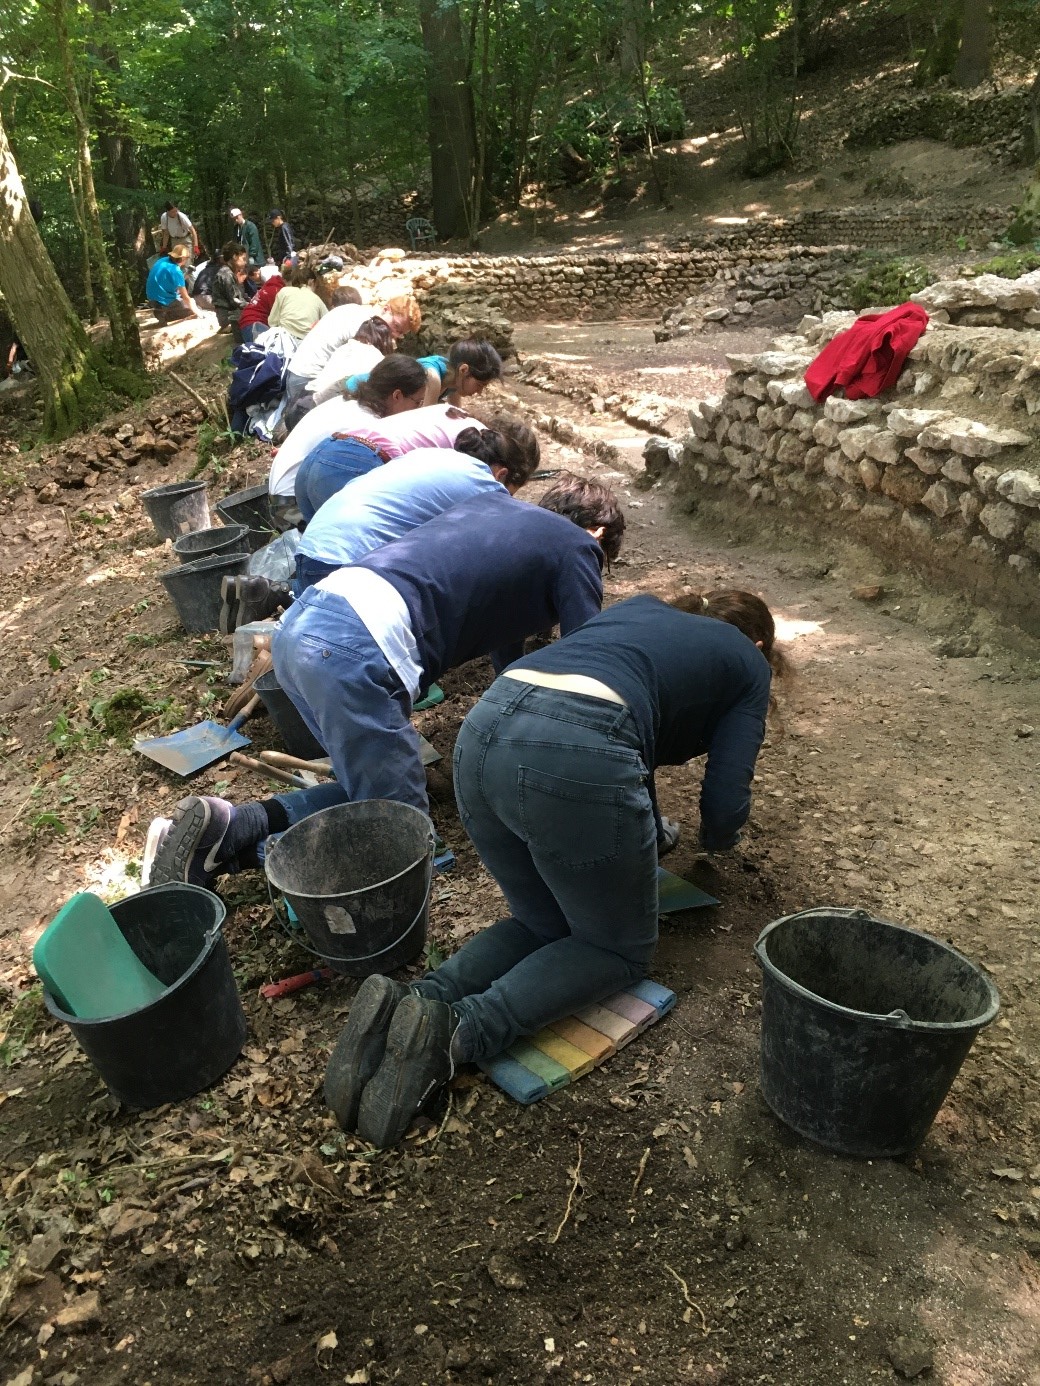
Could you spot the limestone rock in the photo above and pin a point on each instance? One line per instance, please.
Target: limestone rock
(826, 431)
(813, 462)
(774, 363)
(869, 474)
(1031, 536)
(904, 484)
(717, 315)
(941, 499)
(985, 291)
(908, 423)
(1021, 487)
(1000, 520)
(849, 411)
(885, 447)
(80, 1315)
(791, 451)
(853, 441)
(970, 438)
(970, 506)
(925, 460)
(796, 392)
(956, 469)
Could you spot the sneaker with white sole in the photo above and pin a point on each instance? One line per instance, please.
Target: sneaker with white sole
(191, 849)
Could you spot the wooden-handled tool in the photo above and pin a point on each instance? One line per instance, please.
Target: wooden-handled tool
(322, 766)
(298, 779)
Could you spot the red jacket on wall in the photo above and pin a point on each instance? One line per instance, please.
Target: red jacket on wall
(868, 357)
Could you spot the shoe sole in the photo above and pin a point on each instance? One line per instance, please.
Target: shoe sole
(227, 621)
(360, 1048)
(173, 858)
(387, 1109)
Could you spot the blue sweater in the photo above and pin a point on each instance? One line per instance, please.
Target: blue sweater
(486, 574)
(694, 685)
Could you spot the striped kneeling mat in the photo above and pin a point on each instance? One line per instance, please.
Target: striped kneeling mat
(532, 1068)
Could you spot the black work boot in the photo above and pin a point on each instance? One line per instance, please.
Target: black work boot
(416, 1065)
(360, 1048)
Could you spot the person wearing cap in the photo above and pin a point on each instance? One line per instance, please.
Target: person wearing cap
(247, 235)
(167, 289)
(283, 242)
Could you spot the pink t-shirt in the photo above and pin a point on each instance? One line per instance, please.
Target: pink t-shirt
(432, 426)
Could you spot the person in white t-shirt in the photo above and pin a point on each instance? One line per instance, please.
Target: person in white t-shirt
(338, 327)
(395, 384)
(177, 229)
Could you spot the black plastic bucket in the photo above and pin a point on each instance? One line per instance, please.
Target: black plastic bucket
(297, 737)
(252, 508)
(194, 588)
(358, 877)
(180, 507)
(865, 1025)
(223, 539)
(193, 1033)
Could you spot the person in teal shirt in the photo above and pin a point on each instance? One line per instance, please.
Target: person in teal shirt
(167, 290)
(247, 236)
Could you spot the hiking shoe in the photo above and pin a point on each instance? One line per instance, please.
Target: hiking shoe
(360, 1048)
(191, 849)
(246, 599)
(416, 1065)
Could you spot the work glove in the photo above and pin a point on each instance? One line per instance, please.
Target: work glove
(667, 837)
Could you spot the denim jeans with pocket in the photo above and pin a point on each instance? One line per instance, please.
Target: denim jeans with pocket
(553, 793)
(327, 469)
(352, 701)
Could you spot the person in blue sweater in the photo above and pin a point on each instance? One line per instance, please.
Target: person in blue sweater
(362, 645)
(554, 776)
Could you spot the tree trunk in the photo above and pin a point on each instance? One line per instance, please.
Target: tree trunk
(973, 60)
(1033, 123)
(940, 54)
(66, 366)
(88, 277)
(126, 340)
(451, 126)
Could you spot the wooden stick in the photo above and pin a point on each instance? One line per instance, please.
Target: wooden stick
(285, 776)
(575, 1174)
(205, 405)
(322, 766)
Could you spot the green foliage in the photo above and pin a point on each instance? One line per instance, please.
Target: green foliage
(1010, 265)
(888, 282)
(17, 1028)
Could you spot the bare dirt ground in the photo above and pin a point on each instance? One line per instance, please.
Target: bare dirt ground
(654, 1223)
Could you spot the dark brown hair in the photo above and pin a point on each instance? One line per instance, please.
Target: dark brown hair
(299, 276)
(233, 248)
(346, 293)
(505, 443)
(375, 332)
(395, 372)
(589, 504)
(483, 360)
(743, 610)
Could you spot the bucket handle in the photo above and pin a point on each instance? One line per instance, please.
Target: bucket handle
(294, 934)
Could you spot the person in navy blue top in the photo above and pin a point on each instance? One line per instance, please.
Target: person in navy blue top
(554, 776)
(363, 644)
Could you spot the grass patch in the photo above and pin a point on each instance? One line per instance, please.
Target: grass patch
(1011, 264)
(888, 282)
(20, 1024)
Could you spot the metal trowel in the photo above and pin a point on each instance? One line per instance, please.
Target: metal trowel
(186, 752)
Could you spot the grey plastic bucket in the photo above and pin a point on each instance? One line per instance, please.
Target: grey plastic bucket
(194, 588)
(179, 507)
(223, 539)
(252, 508)
(191, 1034)
(358, 877)
(294, 731)
(865, 1025)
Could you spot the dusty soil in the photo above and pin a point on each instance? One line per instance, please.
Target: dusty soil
(654, 1223)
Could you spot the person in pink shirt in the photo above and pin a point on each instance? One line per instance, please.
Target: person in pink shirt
(339, 459)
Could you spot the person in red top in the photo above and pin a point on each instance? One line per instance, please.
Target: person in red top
(256, 312)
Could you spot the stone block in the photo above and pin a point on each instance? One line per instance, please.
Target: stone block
(885, 447)
(802, 422)
(971, 438)
(774, 363)
(909, 423)
(853, 441)
(837, 466)
(791, 451)
(984, 291)
(941, 499)
(1021, 487)
(956, 469)
(796, 393)
(904, 484)
(1031, 536)
(742, 408)
(925, 460)
(766, 417)
(1001, 520)
(826, 431)
(919, 525)
(850, 411)
(869, 474)
(755, 387)
(812, 463)
(701, 427)
(985, 478)
(958, 387)
(970, 505)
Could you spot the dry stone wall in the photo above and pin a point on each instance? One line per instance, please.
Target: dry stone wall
(943, 473)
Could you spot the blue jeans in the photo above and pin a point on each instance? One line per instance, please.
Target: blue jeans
(327, 469)
(309, 571)
(553, 794)
(253, 330)
(352, 701)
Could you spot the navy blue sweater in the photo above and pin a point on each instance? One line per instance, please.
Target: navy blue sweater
(694, 685)
(481, 577)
